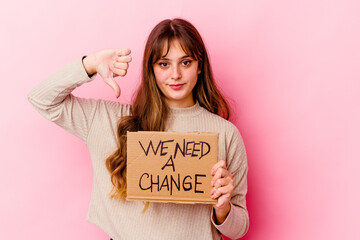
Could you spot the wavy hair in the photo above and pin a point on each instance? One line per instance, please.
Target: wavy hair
(149, 111)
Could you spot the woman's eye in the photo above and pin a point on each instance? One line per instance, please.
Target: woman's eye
(163, 64)
(186, 63)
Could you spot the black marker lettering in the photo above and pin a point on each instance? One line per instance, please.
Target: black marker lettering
(202, 149)
(163, 147)
(148, 148)
(165, 185)
(188, 149)
(195, 150)
(188, 183)
(176, 185)
(177, 146)
(198, 183)
(140, 182)
(154, 183)
(168, 165)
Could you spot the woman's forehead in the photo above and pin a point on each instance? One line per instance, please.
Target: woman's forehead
(170, 45)
(163, 46)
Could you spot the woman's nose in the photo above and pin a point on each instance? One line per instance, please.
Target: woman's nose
(176, 72)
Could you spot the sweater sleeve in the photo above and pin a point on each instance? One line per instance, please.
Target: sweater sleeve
(236, 223)
(54, 100)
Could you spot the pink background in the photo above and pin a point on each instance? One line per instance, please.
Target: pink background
(291, 69)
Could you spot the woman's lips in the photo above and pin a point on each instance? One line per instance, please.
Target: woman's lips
(176, 86)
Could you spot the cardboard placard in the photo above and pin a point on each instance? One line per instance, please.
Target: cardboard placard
(171, 166)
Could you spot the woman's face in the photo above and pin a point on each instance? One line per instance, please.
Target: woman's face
(176, 75)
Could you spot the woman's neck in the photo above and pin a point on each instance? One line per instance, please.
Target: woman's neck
(180, 104)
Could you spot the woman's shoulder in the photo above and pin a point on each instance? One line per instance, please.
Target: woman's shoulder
(220, 124)
(216, 119)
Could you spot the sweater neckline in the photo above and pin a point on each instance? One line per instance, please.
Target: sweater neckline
(185, 112)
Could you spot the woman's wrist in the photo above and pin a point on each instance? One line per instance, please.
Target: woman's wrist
(221, 214)
(89, 64)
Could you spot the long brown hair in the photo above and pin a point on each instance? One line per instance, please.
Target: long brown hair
(149, 111)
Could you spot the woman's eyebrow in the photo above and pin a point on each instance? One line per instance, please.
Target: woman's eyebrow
(164, 58)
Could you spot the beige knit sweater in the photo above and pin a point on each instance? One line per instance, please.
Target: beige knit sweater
(95, 122)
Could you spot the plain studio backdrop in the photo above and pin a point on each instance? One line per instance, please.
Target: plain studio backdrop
(290, 68)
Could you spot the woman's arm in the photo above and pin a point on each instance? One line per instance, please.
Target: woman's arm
(230, 215)
(54, 100)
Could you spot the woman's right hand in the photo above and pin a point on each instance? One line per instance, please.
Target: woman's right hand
(109, 63)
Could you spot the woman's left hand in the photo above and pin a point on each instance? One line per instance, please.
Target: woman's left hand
(223, 187)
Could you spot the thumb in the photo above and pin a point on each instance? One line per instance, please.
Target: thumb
(111, 82)
(108, 77)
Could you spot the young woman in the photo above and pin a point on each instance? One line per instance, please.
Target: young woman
(177, 93)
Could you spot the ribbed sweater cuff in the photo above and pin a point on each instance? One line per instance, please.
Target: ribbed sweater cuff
(235, 219)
